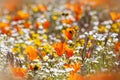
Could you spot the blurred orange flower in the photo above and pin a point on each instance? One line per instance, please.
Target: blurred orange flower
(27, 24)
(69, 32)
(46, 24)
(115, 15)
(75, 76)
(69, 52)
(19, 72)
(4, 24)
(37, 24)
(76, 67)
(117, 47)
(18, 28)
(31, 52)
(60, 48)
(42, 8)
(77, 8)
(67, 21)
(22, 14)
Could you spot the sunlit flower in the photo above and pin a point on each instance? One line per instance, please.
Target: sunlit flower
(31, 52)
(69, 52)
(22, 15)
(60, 48)
(115, 16)
(69, 32)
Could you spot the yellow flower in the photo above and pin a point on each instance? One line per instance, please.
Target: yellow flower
(82, 42)
(114, 28)
(54, 17)
(16, 50)
(44, 36)
(48, 48)
(102, 29)
(89, 44)
(91, 37)
(35, 35)
(35, 9)
(37, 42)
(8, 17)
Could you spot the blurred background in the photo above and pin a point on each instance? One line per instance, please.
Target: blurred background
(13, 4)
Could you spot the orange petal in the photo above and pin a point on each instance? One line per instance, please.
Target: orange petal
(46, 24)
(19, 72)
(32, 53)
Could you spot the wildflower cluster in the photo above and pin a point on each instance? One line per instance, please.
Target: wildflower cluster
(54, 42)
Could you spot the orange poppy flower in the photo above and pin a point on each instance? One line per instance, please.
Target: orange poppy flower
(67, 66)
(37, 24)
(4, 24)
(59, 48)
(117, 47)
(19, 72)
(75, 76)
(46, 24)
(9, 32)
(69, 52)
(4, 27)
(4, 30)
(42, 8)
(27, 24)
(16, 18)
(17, 28)
(67, 21)
(68, 5)
(31, 52)
(69, 32)
(76, 8)
(115, 15)
(23, 15)
(76, 67)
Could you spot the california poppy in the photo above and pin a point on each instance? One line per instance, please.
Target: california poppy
(31, 52)
(42, 8)
(27, 24)
(76, 67)
(67, 66)
(69, 32)
(37, 24)
(46, 24)
(69, 52)
(19, 72)
(115, 15)
(117, 47)
(4, 24)
(23, 15)
(76, 8)
(67, 21)
(60, 48)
